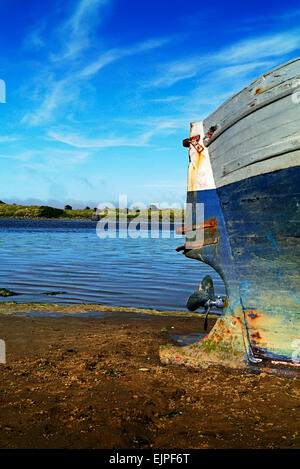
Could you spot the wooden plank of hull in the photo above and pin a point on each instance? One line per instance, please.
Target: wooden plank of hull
(275, 163)
(266, 89)
(266, 139)
(257, 137)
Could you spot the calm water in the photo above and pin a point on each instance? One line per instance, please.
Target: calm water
(67, 256)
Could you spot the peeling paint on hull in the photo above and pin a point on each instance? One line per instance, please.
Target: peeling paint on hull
(263, 227)
(257, 256)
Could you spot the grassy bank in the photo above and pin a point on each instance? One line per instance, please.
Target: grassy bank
(36, 212)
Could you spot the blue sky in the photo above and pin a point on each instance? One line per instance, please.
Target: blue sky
(100, 93)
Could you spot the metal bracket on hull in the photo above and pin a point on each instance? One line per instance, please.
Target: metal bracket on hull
(193, 141)
(209, 134)
(199, 235)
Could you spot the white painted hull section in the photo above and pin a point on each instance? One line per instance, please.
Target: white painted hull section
(200, 175)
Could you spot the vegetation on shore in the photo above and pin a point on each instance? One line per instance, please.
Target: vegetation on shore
(34, 211)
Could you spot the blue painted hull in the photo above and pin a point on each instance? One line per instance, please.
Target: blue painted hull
(256, 252)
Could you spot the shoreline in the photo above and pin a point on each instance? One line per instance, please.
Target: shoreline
(47, 219)
(12, 307)
(129, 219)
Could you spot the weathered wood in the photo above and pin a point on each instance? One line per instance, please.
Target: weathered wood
(271, 86)
(258, 130)
(242, 139)
(275, 163)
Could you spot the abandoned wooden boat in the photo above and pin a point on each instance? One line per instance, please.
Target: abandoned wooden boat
(244, 175)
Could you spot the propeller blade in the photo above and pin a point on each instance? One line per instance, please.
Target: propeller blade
(196, 300)
(207, 286)
(206, 318)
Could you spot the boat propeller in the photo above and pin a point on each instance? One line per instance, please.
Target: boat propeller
(205, 298)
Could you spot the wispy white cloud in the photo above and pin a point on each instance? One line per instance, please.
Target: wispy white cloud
(280, 17)
(287, 15)
(34, 38)
(261, 47)
(168, 99)
(78, 141)
(61, 79)
(117, 54)
(241, 69)
(60, 93)
(156, 124)
(55, 90)
(55, 96)
(22, 156)
(84, 12)
(218, 76)
(6, 139)
(79, 28)
(176, 71)
(245, 55)
(51, 159)
(151, 127)
(74, 34)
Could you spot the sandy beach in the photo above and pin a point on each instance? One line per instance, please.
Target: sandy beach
(87, 382)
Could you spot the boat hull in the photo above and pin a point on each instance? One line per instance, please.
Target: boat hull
(244, 181)
(258, 259)
(256, 252)
(263, 227)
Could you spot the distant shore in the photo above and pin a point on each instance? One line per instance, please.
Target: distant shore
(111, 220)
(11, 307)
(34, 212)
(46, 219)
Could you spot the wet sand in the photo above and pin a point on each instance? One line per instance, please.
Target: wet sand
(87, 382)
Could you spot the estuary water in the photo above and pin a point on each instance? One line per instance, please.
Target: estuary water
(40, 258)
